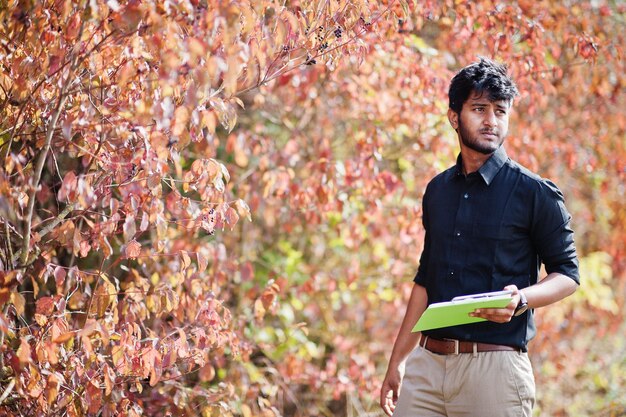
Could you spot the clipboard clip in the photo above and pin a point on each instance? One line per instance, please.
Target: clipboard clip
(482, 295)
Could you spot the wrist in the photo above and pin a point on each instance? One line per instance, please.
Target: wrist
(394, 364)
(522, 305)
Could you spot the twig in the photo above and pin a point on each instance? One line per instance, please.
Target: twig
(267, 78)
(7, 391)
(4, 313)
(9, 246)
(62, 215)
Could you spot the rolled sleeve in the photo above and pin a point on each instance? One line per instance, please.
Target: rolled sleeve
(551, 231)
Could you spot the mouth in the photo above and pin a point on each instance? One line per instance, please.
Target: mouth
(489, 133)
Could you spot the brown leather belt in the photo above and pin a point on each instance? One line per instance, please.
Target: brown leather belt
(454, 347)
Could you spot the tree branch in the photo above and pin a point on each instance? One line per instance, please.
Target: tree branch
(37, 174)
(42, 160)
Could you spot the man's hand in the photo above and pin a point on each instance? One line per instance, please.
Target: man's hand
(390, 390)
(500, 315)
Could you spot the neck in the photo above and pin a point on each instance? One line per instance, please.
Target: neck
(472, 160)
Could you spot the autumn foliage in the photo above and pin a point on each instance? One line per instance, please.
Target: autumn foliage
(213, 208)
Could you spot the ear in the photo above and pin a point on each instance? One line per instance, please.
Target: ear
(453, 118)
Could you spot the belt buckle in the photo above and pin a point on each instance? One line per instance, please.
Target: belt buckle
(456, 345)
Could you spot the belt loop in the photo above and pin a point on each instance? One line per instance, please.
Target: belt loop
(456, 346)
(425, 342)
(419, 340)
(474, 350)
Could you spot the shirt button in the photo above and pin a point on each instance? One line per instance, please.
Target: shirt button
(466, 196)
(458, 234)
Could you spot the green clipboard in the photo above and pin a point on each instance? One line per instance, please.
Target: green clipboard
(456, 312)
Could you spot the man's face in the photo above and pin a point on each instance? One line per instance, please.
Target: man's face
(483, 124)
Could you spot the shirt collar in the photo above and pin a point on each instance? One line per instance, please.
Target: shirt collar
(490, 168)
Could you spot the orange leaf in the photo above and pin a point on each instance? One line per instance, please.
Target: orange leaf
(40, 319)
(18, 301)
(64, 337)
(242, 209)
(107, 250)
(109, 379)
(259, 310)
(202, 262)
(4, 325)
(24, 352)
(104, 296)
(185, 259)
(181, 119)
(53, 388)
(182, 346)
(8, 278)
(206, 373)
(232, 217)
(35, 386)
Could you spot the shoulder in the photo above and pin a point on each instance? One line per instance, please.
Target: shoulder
(442, 178)
(533, 183)
(532, 179)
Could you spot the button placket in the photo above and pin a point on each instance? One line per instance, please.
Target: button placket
(461, 225)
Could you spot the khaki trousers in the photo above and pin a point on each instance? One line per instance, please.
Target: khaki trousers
(485, 384)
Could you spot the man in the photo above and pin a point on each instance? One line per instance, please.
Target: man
(489, 224)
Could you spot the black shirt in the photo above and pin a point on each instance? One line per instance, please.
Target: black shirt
(490, 229)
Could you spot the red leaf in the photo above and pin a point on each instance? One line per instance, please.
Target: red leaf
(45, 306)
(84, 248)
(67, 192)
(93, 397)
(73, 27)
(59, 276)
(133, 249)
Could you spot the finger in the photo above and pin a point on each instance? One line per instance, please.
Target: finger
(497, 315)
(492, 312)
(384, 395)
(389, 407)
(388, 400)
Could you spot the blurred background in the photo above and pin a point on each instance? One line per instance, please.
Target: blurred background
(260, 168)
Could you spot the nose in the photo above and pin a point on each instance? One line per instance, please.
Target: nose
(490, 118)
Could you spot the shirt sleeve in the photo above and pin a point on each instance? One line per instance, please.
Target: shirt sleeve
(420, 277)
(551, 232)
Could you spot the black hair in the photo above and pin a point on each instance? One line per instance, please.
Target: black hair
(484, 76)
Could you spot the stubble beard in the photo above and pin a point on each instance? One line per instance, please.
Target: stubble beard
(473, 143)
